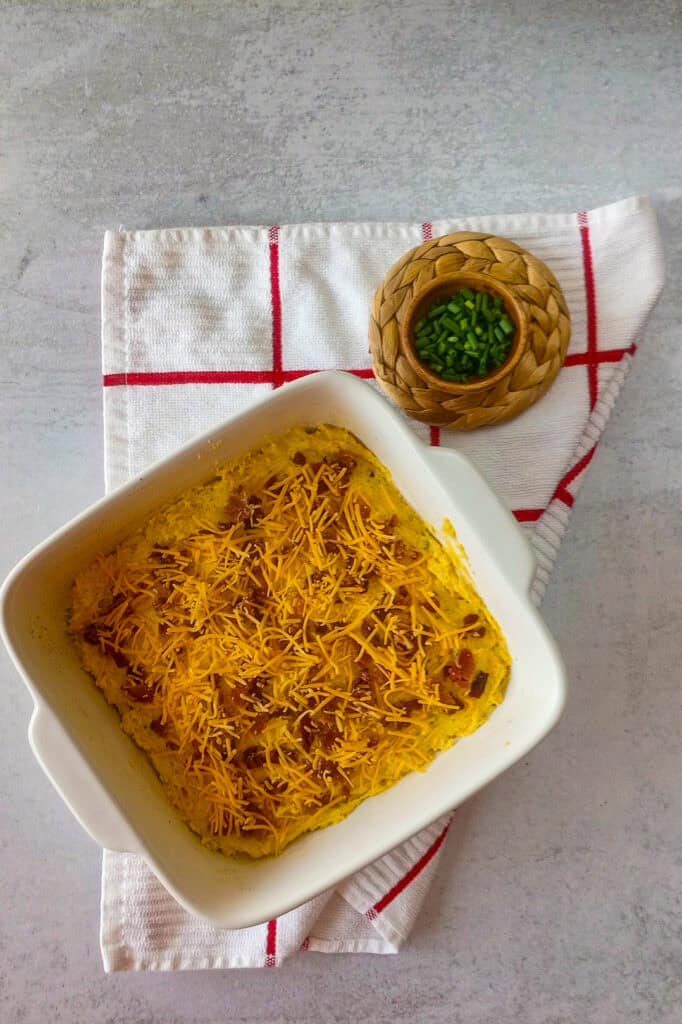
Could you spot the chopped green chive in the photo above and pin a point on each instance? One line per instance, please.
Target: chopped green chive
(467, 336)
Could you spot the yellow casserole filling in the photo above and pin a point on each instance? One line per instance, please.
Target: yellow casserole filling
(287, 640)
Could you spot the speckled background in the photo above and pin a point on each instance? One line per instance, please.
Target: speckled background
(558, 901)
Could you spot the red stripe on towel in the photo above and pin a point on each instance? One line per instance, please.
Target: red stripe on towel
(414, 871)
(528, 515)
(276, 300)
(562, 492)
(611, 355)
(160, 378)
(591, 300)
(113, 380)
(271, 947)
(580, 465)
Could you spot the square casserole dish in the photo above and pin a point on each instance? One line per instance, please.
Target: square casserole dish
(108, 782)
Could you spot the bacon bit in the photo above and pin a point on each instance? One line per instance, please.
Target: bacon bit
(91, 634)
(462, 668)
(478, 685)
(465, 660)
(432, 604)
(367, 628)
(410, 706)
(330, 737)
(457, 674)
(307, 732)
(407, 643)
(254, 757)
(311, 430)
(241, 509)
(270, 482)
(342, 461)
(160, 554)
(237, 508)
(326, 771)
(470, 620)
(259, 722)
(328, 732)
(347, 460)
(117, 657)
(317, 577)
(477, 633)
(159, 727)
(390, 524)
(299, 459)
(255, 510)
(256, 686)
(115, 603)
(403, 553)
(402, 596)
(364, 581)
(138, 690)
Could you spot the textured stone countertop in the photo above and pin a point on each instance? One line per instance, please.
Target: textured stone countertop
(558, 898)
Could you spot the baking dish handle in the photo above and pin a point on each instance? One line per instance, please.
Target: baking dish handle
(502, 534)
(77, 784)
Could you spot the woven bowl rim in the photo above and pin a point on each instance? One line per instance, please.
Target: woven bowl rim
(459, 280)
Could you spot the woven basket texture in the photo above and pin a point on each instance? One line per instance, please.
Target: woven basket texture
(538, 293)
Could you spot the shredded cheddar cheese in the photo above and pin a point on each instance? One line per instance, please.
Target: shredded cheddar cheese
(286, 640)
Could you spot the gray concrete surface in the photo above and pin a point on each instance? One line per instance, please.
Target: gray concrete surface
(558, 901)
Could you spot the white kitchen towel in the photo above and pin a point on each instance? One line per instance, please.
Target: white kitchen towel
(197, 323)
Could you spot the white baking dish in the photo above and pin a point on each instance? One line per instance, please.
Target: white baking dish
(108, 782)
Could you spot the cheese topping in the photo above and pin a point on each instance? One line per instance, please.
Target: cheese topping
(286, 640)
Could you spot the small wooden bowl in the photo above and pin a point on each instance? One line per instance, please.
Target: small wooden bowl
(445, 286)
(532, 297)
